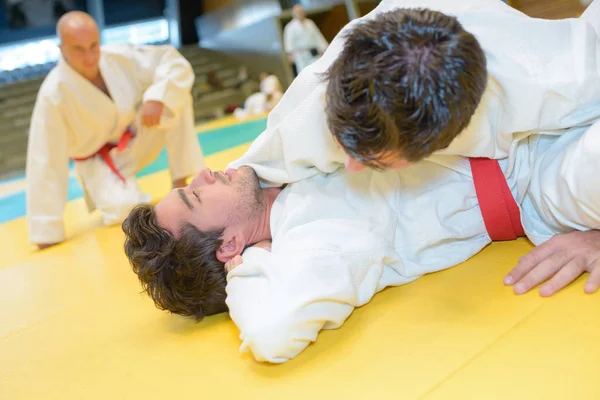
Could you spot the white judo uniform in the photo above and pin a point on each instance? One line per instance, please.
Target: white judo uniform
(72, 118)
(340, 238)
(301, 36)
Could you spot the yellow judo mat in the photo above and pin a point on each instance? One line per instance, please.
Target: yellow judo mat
(74, 325)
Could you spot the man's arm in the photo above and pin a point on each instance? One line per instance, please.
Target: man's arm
(281, 300)
(563, 195)
(288, 44)
(47, 176)
(168, 75)
(296, 147)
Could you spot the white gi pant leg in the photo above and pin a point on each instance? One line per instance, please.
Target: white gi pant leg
(563, 189)
(114, 198)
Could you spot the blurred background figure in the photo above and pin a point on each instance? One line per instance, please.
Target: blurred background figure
(263, 101)
(303, 41)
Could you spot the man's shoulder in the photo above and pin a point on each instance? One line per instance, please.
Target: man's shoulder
(291, 24)
(50, 87)
(311, 22)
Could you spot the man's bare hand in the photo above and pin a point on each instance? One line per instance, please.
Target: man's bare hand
(151, 113)
(559, 261)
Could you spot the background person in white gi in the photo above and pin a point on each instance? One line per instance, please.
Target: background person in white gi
(97, 97)
(302, 40)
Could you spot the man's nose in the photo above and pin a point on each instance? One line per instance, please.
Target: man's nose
(208, 176)
(204, 176)
(353, 165)
(90, 57)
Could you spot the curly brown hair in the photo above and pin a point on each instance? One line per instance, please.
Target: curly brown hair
(182, 275)
(407, 81)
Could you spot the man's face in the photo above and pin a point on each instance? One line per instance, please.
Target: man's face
(81, 49)
(298, 12)
(213, 201)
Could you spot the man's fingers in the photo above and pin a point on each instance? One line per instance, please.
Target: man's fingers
(541, 272)
(566, 275)
(571, 253)
(593, 282)
(530, 261)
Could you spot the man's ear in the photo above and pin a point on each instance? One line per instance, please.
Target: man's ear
(231, 247)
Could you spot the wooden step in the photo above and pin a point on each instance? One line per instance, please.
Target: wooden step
(16, 136)
(25, 99)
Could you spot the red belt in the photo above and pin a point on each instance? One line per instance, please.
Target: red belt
(104, 152)
(499, 209)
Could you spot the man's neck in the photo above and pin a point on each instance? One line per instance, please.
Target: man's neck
(261, 230)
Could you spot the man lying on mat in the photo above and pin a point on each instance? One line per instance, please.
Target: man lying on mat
(337, 239)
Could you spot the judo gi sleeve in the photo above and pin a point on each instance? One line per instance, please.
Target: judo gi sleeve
(297, 144)
(281, 300)
(169, 75)
(563, 191)
(47, 173)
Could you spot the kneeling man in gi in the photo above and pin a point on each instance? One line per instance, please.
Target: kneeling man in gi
(112, 110)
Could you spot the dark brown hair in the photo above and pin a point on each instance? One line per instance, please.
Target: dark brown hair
(181, 275)
(407, 81)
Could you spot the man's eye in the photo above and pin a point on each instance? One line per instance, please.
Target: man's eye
(196, 196)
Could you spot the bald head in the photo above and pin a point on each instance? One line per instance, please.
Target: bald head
(75, 22)
(80, 43)
(298, 12)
